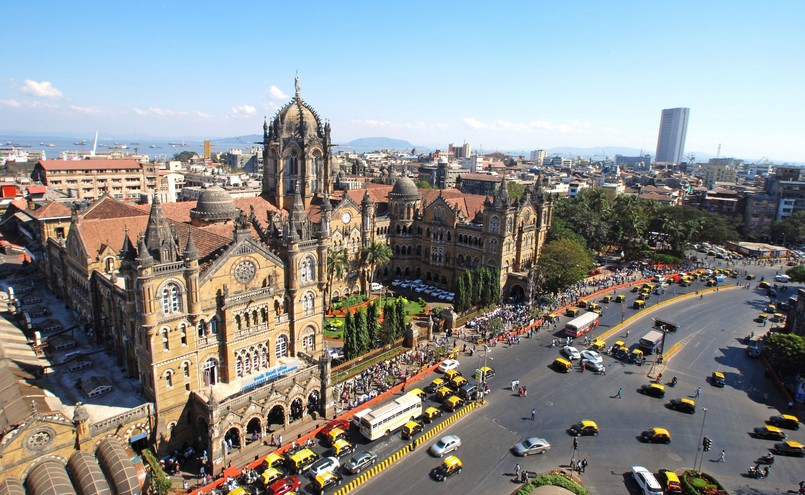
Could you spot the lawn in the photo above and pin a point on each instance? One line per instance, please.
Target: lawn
(334, 326)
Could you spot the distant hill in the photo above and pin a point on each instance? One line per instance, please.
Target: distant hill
(378, 143)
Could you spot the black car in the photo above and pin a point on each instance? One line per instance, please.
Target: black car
(770, 433)
(360, 461)
(683, 405)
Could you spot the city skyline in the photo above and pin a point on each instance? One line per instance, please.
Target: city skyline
(532, 76)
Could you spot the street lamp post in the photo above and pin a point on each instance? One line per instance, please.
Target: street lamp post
(482, 392)
(699, 443)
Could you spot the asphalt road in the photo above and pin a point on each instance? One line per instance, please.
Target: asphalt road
(709, 331)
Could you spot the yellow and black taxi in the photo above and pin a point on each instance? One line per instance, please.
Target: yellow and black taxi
(636, 356)
(239, 491)
(790, 447)
(418, 392)
(770, 433)
(269, 476)
(598, 345)
(452, 403)
(670, 482)
(431, 414)
(621, 353)
(583, 303)
(595, 307)
(572, 312)
(435, 385)
(584, 427)
(335, 435)
(449, 375)
(784, 421)
(750, 276)
(653, 390)
(562, 365)
(639, 303)
(711, 282)
(443, 393)
(448, 467)
(484, 373)
(683, 405)
(762, 317)
(656, 435)
(273, 460)
(606, 299)
(763, 285)
(717, 379)
(300, 461)
(342, 447)
(777, 318)
(620, 298)
(770, 308)
(326, 481)
(619, 344)
(410, 429)
(457, 382)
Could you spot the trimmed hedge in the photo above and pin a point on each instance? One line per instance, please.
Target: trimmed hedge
(696, 483)
(554, 480)
(159, 480)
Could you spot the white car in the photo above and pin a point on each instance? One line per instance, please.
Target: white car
(447, 365)
(591, 356)
(324, 465)
(446, 444)
(376, 286)
(571, 352)
(646, 481)
(396, 282)
(782, 278)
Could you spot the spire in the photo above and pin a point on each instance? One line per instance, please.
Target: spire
(265, 126)
(190, 251)
(325, 203)
(127, 252)
(502, 194)
(366, 201)
(144, 258)
(159, 237)
(298, 89)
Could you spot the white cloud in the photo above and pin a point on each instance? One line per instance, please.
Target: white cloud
(159, 112)
(85, 109)
(242, 111)
(202, 115)
(475, 124)
(42, 89)
(372, 123)
(11, 103)
(140, 111)
(276, 93)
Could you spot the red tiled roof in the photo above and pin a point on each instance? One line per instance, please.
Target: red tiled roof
(123, 164)
(106, 208)
(53, 209)
(37, 189)
(481, 177)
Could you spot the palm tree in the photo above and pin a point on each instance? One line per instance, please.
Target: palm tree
(376, 253)
(337, 264)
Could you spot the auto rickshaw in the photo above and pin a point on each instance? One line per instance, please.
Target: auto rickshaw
(582, 303)
(452, 403)
(636, 356)
(484, 373)
(449, 375)
(770, 308)
(639, 304)
(341, 448)
(598, 345)
(435, 385)
(572, 311)
(762, 317)
(430, 414)
(620, 298)
(595, 307)
(606, 299)
(718, 379)
(457, 382)
(750, 276)
(418, 392)
(335, 435)
(777, 317)
(410, 429)
(617, 345)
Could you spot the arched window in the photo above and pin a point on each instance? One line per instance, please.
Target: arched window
(247, 364)
(170, 299)
(210, 371)
(281, 349)
(263, 358)
(309, 343)
(239, 366)
(186, 369)
(169, 378)
(494, 225)
(165, 341)
(256, 360)
(183, 333)
(303, 271)
(200, 328)
(213, 326)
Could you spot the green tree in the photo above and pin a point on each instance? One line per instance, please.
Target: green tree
(495, 284)
(561, 230)
(790, 229)
(400, 318)
(372, 324)
(185, 156)
(459, 299)
(337, 266)
(515, 190)
(786, 353)
(469, 286)
(796, 273)
(562, 263)
(349, 337)
(374, 255)
(486, 283)
(423, 184)
(389, 321)
(478, 287)
(361, 340)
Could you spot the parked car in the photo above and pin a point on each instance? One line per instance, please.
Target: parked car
(646, 481)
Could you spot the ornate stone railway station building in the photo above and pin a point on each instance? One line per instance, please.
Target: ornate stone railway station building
(216, 307)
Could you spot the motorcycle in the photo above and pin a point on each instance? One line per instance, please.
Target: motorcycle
(758, 472)
(673, 381)
(766, 459)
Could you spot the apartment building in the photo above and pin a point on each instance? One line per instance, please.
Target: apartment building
(90, 179)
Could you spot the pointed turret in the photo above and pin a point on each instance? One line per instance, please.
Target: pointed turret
(159, 237)
(502, 194)
(127, 252)
(144, 257)
(190, 251)
(366, 201)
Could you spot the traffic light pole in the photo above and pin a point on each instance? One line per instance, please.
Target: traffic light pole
(700, 446)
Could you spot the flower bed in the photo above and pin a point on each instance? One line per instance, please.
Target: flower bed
(554, 478)
(697, 483)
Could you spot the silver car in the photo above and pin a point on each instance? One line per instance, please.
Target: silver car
(533, 445)
(445, 445)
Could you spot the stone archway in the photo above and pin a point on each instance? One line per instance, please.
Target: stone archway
(232, 438)
(313, 402)
(295, 410)
(517, 293)
(254, 431)
(275, 416)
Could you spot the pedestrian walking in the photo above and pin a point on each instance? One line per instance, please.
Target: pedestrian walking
(603, 370)
(698, 392)
(517, 469)
(279, 440)
(620, 393)
(583, 465)
(533, 414)
(723, 457)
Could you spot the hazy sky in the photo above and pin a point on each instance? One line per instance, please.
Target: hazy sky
(516, 75)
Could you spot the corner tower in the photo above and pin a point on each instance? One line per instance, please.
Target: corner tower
(296, 154)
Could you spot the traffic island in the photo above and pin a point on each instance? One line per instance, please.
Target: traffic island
(558, 477)
(698, 483)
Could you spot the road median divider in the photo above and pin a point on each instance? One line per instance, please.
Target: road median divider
(400, 454)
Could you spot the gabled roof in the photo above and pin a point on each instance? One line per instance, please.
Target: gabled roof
(481, 177)
(36, 189)
(16, 395)
(106, 208)
(52, 209)
(64, 165)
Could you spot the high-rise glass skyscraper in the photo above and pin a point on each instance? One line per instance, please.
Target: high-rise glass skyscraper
(671, 142)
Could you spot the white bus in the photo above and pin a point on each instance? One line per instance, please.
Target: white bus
(387, 418)
(581, 325)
